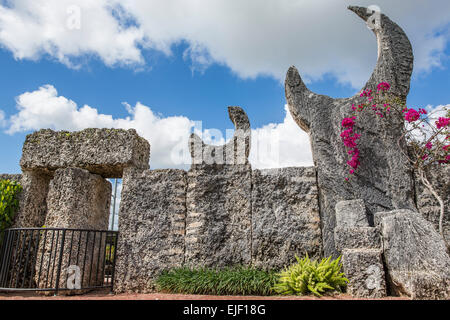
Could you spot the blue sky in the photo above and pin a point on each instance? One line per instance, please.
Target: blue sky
(185, 74)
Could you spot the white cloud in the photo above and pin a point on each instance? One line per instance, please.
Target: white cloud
(68, 29)
(274, 145)
(278, 145)
(437, 111)
(43, 108)
(253, 37)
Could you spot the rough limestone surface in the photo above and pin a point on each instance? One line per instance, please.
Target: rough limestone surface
(32, 200)
(415, 255)
(357, 237)
(101, 151)
(364, 269)
(76, 199)
(351, 213)
(384, 179)
(152, 225)
(285, 216)
(218, 222)
(438, 176)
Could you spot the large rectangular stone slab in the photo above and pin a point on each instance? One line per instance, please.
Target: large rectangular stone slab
(102, 151)
(78, 199)
(218, 222)
(412, 247)
(364, 270)
(351, 213)
(357, 237)
(152, 226)
(285, 216)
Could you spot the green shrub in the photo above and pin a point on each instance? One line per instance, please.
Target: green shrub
(308, 276)
(228, 281)
(9, 202)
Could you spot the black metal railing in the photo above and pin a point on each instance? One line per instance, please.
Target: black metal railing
(56, 259)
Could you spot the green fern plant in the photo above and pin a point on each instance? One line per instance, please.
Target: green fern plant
(314, 277)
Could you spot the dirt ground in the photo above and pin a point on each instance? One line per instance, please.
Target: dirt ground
(105, 295)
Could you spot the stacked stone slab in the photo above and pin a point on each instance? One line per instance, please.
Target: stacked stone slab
(384, 178)
(361, 251)
(218, 222)
(101, 151)
(152, 226)
(416, 257)
(285, 216)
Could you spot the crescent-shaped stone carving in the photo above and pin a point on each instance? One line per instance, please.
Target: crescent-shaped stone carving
(234, 152)
(384, 178)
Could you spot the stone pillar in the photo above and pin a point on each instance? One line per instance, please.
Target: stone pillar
(77, 199)
(152, 227)
(361, 251)
(33, 199)
(285, 216)
(218, 223)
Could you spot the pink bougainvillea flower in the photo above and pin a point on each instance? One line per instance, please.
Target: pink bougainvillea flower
(442, 122)
(383, 86)
(348, 122)
(446, 147)
(352, 171)
(412, 115)
(353, 163)
(422, 111)
(425, 157)
(429, 145)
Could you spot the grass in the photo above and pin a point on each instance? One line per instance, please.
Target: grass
(208, 281)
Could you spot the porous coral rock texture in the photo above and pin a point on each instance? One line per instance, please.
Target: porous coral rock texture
(78, 199)
(415, 255)
(32, 200)
(364, 269)
(218, 223)
(101, 151)
(285, 216)
(152, 226)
